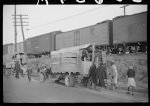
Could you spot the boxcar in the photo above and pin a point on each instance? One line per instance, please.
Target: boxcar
(100, 33)
(20, 47)
(42, 43)
(11, 49)
(5, 48)
(130, 28)
(32, 45)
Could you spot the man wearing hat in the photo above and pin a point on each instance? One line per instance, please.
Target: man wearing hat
(17, 69)
(92, 74)
(131, 81)
(101, 75)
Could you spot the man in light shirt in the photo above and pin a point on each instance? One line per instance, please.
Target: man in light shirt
(114, 75)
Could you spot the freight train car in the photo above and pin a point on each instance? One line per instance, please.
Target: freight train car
(11, 48)
(130, 29)
(100, 33)
(5, 48)
(42, 43)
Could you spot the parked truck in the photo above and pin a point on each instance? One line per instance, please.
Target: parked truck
(72, 64)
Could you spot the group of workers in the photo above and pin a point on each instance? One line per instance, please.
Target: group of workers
(19, 71)
(98, 77)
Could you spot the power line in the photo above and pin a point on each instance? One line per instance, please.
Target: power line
(82, 13)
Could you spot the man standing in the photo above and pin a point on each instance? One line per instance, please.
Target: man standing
(92, 74)
(131, 81)
(101, 75)
(114, 75)
(17, 68)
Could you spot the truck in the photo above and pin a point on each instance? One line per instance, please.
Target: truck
(72, 64)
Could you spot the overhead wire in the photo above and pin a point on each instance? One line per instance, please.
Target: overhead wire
(62, 19)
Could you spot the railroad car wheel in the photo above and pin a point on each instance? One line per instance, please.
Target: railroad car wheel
(69, 81)
(41, 77)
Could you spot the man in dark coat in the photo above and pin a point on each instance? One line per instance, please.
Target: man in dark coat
(101, 75)
(17, 68)
(92, 74)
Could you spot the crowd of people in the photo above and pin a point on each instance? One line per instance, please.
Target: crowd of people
(98, 77)
(18, 70)
(97, 74)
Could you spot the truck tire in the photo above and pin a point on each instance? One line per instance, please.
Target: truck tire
(41, 77)
(69, 81)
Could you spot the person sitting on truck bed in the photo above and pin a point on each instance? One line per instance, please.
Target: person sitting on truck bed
(84, 54)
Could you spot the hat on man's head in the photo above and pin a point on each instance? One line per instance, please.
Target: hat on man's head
(112, 61)
(131, 67)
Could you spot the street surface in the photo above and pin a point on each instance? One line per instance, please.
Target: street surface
(23, 91)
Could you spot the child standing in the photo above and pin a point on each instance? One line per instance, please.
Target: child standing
(29, 72)
(131, 81)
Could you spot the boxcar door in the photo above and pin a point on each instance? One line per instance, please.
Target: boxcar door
(76, 38)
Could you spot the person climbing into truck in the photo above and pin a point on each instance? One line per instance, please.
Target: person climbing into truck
(131, 82)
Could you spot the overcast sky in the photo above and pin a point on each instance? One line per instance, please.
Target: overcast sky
(48, 18)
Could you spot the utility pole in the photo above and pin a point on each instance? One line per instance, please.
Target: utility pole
(124, 8)
(24, 42)
(21, 24)
(15, 32)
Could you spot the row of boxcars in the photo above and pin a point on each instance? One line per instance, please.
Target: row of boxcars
(120, 30)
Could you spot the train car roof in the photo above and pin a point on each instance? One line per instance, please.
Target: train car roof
(86, 26)
(122, 16)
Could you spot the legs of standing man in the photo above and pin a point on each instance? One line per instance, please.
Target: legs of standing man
(29, 77)
(17, 74)
(132, 90)
(128, 90)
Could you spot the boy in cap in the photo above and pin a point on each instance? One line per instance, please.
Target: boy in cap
(131, 81)
(29, 72)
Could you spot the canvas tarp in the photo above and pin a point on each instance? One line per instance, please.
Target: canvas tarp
(70, 49)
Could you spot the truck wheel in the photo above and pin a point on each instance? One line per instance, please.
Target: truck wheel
(41, 77)
(69, 81)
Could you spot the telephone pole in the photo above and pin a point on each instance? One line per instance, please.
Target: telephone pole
(21, 23)
(24, 41)
(124, 8)
(15, 31)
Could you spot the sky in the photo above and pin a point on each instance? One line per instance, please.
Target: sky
(48, 18)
